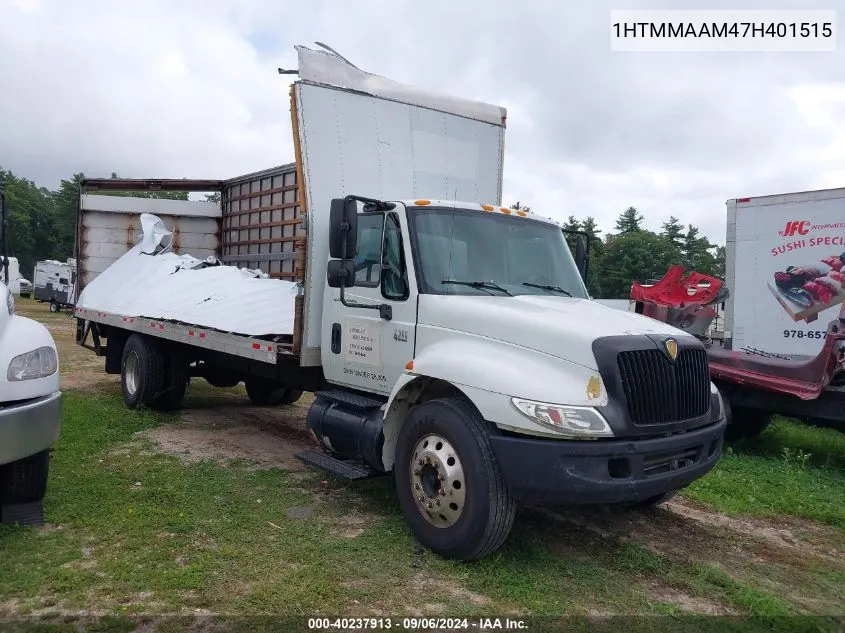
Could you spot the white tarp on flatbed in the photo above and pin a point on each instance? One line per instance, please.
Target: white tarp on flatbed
(165, 286)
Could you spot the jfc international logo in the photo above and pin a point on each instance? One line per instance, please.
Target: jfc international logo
(796, 227)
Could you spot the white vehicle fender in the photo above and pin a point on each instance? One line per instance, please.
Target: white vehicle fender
(488, 373)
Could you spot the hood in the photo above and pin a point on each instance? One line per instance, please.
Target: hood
(559, 326)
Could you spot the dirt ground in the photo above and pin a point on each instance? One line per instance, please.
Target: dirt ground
(778, 553)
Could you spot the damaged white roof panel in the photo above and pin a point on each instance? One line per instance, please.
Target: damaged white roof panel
(332, 70)
(168, 287)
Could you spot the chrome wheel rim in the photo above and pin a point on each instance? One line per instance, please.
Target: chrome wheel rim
(438, 485)
(132, 372)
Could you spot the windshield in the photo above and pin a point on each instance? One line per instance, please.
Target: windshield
(481, 253)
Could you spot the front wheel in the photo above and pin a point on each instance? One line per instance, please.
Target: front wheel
(448, 482)
(21, 483)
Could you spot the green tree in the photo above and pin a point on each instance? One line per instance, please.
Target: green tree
(212, 197)
(633, 255)
(31, 221)
(673, 231)
(66, 201)
(629, 220)
(572, 224)
(697, 253)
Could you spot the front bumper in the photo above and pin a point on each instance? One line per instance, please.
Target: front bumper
(606, 471)
(29, 427)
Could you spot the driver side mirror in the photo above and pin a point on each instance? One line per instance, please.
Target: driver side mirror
(581, 256)
(343, 228)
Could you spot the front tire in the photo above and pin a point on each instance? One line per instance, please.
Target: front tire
(25, 480)
(449, 484)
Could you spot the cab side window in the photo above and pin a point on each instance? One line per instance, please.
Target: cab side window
(368, 255)
(394, 281)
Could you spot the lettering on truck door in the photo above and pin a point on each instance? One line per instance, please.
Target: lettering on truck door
(374, 351)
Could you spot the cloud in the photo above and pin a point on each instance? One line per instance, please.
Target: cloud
(189, 88)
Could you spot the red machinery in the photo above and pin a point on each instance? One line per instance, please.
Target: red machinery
(754, 385)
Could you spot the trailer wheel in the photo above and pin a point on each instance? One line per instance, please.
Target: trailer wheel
(265, 393)
(746, 423)
(142, 372)
(25, 480)
(54, 307)
(448, 482)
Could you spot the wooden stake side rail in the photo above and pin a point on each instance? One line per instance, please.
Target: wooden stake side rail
(235, 344)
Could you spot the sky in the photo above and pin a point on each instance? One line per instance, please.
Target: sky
(189, 88)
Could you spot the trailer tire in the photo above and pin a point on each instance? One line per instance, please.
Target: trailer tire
(142, 372)
(24, 480)
(452, 435)
(265, 393)
(54, 307)
(746, 423)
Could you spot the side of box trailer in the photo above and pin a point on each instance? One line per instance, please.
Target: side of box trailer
(784, 255)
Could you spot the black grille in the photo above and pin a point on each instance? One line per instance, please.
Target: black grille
(660, 391)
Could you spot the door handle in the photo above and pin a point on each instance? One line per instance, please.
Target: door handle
(335, 338)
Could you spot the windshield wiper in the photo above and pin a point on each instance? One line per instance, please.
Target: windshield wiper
(548, 287)
(483, 285)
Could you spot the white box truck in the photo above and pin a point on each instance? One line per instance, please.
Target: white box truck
(11, 277)
(449, 344)
(784, 269)
(30, 405)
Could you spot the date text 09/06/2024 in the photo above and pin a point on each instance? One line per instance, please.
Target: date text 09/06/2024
(414, 624)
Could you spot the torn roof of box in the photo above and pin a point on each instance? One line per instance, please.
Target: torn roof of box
(329, 69)
(150, 281)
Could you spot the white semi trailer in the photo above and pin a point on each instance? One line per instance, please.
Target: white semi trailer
(449, 344)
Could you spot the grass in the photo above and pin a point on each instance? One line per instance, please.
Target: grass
(790, 470)
(142, 533)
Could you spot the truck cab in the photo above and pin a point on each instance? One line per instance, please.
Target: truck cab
(30, 407)
(503, 382)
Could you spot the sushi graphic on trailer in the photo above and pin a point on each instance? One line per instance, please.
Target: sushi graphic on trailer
(813, 285)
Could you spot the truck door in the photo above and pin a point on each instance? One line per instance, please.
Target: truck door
(367, 351)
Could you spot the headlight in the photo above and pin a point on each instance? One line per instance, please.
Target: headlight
(10, 302)
(572, 421)
(718, 407)
(36, 364)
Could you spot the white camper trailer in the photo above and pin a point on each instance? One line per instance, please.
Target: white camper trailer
(55, 283)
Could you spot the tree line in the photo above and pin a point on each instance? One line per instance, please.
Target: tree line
(42, 225)
(634, 253)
